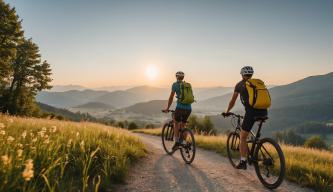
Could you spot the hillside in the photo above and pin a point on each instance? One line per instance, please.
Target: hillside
(94, 105)
(119, 98)
(148, 108)
(64, 113)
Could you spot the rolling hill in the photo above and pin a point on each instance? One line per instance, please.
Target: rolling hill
(148, 108)
(119, 98)
(94, 105)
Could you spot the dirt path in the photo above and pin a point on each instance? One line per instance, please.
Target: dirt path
(209, 172)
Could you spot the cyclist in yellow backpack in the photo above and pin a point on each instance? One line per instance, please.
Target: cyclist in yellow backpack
(255, 98)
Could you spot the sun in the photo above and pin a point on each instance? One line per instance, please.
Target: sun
(151, 72)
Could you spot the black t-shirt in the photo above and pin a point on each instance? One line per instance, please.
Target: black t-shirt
(241, 89)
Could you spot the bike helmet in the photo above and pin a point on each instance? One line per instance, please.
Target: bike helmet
(247, 70)
(180, 74)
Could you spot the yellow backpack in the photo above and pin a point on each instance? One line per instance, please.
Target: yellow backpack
(259, 97)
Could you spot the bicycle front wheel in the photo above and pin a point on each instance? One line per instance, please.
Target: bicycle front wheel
(187, 149)
(233, 142)
(167, 138)
(269, 163)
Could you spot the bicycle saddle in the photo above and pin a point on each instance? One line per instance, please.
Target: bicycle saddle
(262, 118)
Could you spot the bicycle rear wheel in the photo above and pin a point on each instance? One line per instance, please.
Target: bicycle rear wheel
(233, 142)
(269, 163)
(187, 149)
(167, 138)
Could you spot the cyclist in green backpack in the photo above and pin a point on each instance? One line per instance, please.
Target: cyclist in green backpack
(185, 98)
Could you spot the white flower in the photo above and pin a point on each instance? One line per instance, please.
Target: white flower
(5, 160)
(10, 139)
(82, 145)
(28, 172)
(34, 140)
(69, 143)
(47, 141)
(2, 132)
(2, 126)
(19, 153)
(77, 134)
(24, 134)
(11, 121)
(44, 129)
(19, 145)
(53, 129)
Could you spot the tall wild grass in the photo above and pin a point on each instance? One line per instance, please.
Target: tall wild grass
(51, 155)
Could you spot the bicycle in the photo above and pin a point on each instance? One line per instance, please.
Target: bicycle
(187, 142)
(265, 154)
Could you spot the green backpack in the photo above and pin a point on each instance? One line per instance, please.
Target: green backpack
(186, 93)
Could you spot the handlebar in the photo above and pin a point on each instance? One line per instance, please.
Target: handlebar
(232, 114)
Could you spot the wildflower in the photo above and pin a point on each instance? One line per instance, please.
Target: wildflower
(41, 133)
(47, 141)
(10, 139)
(34, 140)
(5, 160)
(11, 121)
(82, 145)
(44, 129)
(77, 134)
(69, 144)
(19, 153)
(2, 132)
(53, 129)
(24, 134)
(20, 145)
(28, 172)
(2, 125)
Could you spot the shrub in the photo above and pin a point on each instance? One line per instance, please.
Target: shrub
(316, 142)
(132, 126)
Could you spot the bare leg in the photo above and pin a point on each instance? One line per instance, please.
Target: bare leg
(176, 130)
(243, 149)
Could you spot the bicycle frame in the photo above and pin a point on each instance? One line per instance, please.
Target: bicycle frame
(254, 141)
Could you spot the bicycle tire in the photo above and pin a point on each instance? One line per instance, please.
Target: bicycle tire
(189, 147)
(233, 139)
(282, 163)
(167, 136)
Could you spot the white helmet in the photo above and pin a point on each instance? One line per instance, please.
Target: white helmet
(180, 74)
(247, 70)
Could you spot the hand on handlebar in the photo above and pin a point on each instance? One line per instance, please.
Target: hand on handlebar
(224, 114)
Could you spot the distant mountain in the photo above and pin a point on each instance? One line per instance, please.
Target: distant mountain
(64, 113)
(148, 108)
(94, 105)
(63, 88)
(68, 99)
(206, 93)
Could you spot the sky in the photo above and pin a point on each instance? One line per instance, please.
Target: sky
(135, 42)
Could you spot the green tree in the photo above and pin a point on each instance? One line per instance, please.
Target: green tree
(289, 137)
(207, 126)
(30, 75)
(316, 142)
(11, 34)
(132, 126)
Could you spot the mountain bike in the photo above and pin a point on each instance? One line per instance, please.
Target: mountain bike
(186, 140)
(265, 154)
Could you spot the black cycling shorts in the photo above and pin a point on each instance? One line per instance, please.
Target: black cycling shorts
(249, 118)
(181, 115)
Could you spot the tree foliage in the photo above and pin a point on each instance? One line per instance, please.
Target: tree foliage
(22, 74)
(202, 126)
(316, 142)
(289, 137)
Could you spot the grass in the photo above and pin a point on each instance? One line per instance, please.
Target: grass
(307, 167)
(51, 155)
